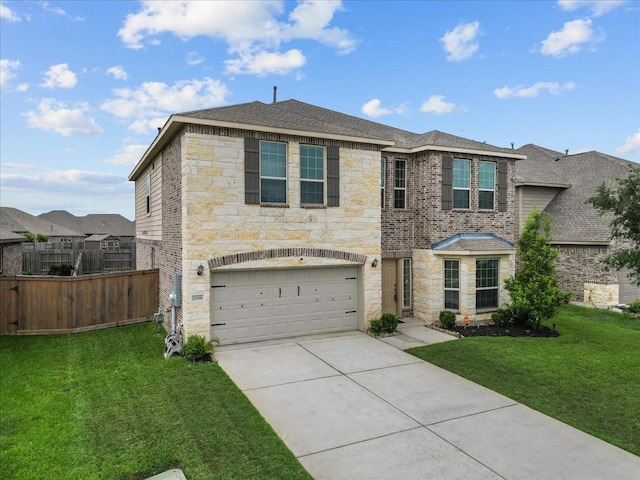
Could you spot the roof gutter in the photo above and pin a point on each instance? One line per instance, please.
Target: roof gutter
(437, 148)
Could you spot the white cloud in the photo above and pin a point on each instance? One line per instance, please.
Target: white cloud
(152, 101)
(554, 88)
(264, 63)
(251, 30)
(9, 15)
(460, 43)
(194, 58)
(59, 76)
(373, 109)
(59, 11)
(570, 39)
(7, 70)
(436, 104)
(118, 72)
(128, 155)
(56, 116)
(597, 7)
(75, 181)
(631, 144)
(23, 87)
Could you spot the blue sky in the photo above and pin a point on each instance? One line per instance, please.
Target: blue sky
(85, 85)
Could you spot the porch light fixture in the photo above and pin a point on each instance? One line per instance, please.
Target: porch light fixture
(374, 264)
(200, 270)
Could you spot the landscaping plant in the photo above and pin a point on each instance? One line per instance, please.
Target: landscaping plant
(447, 319)
(388, 323)
(196, 348)
(534, 290)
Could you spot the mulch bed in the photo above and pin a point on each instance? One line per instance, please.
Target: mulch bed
(508, 331)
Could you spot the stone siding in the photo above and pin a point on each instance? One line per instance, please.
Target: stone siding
(216, 223)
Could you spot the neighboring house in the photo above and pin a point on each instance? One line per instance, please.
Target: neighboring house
(10, 252)
(272, 216)
(94, 224)
(101, 242)
(21, 222)
(560, 184)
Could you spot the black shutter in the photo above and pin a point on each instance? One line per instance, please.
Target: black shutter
(333, 176)
(447, 182)
(252, 171)
(503, 183)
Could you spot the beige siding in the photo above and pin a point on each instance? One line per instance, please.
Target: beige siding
(149, 225)
(530, 198)
(628, 291)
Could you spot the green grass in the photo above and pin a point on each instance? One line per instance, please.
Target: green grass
(589, 377)
(107, 405)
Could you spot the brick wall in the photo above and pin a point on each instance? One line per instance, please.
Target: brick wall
(580, 264)
(423, 222)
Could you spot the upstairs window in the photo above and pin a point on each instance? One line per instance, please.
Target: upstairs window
(383, 180)
(400, 184)
(461, 183)
(148, 193)
(311, 175)
(486, 284)
(486, 185)
(273, 172)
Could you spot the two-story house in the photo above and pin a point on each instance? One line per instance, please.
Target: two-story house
(287, 219)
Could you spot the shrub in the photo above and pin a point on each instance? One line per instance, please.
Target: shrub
(448, 319)
(376, 327)
(196, 348)
(501, 317)
(634, 307)
(63, 270)
(389, 322)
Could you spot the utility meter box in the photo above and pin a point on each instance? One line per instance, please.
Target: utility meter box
(177, 290)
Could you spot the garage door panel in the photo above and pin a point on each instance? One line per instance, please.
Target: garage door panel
(264, 304)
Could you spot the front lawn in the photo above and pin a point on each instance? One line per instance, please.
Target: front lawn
(107, 405)
(589, 377)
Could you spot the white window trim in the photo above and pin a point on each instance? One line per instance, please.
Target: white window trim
(453, 183)
(493, 207)
(406, 288)
(286, 173)
(496, 288)
(315, 180)
(403, 189)
(445, 289)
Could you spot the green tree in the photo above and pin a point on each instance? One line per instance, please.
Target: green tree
(624, 204)
(534, 290)
(37, 238)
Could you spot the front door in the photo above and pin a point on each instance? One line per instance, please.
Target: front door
(390, 297)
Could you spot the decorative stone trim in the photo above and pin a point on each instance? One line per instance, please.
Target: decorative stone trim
(283, 253)
(395, 254)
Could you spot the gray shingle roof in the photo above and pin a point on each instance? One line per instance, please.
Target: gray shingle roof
(7, 236)
(473, 242)
(18, 221)
(293, 114)
(573, 219)
(540, 167)
(94, 223)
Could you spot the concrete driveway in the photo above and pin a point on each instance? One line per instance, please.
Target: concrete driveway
(352, 407)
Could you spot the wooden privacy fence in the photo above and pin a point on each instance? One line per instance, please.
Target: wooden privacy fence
(84, 261)
(38, 305)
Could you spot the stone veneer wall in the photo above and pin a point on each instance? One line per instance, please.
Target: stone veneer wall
(11, 258)
(429, 285)
(217, 223)
(578, 265)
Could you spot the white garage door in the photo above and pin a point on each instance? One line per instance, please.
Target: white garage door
(254, 305)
